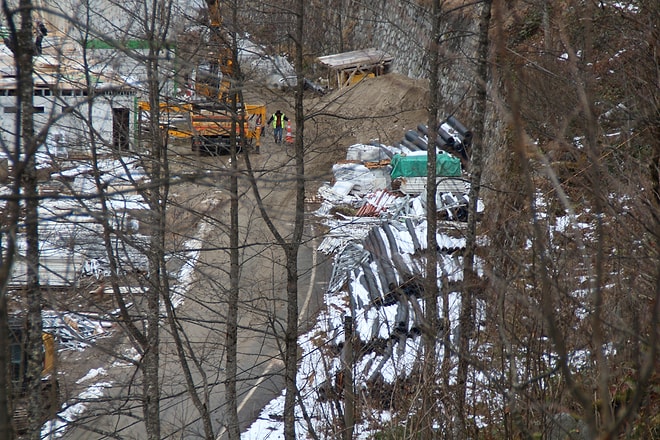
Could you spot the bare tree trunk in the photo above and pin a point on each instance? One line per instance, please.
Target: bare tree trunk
(156, 200)
(202, 407)
(476, 161)
(12, 211)
(6, 263)
(33, 347)
(595, 174)
(291, 250)
(150, 357)
(349, 389)
(428, 382)
(5, 385)
(231, 341)
(547, 29)
(291, 245)
(515, 124)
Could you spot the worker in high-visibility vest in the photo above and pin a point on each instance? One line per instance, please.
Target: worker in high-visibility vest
(277, 120)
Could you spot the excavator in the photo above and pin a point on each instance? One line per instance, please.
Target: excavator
(209, 119)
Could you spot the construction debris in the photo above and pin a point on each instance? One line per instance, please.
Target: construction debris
(378, 235)
(74, 331)
(389, 182)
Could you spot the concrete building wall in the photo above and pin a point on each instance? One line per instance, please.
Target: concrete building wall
(67, 116)
(118, 19)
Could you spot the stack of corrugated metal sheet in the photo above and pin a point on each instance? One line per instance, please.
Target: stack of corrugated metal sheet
(417, 185)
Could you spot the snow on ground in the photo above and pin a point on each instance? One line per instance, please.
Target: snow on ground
(364, 249)
(56, 428)
(71, 412)
(75, 331)
(388, 319)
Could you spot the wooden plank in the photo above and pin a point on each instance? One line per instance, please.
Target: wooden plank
(356, 58)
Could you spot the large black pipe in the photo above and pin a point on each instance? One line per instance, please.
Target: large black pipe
(413, 136)
(460, 128)
(446, 137)
(413, 234)
(409, 145)
(372, 285)
(439, 143)
(421, 143)
(456, 125)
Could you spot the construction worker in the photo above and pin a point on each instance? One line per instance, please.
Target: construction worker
(41, 31)
(278, 119)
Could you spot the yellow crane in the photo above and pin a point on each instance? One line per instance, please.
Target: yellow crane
(213, 74)
(209, 122)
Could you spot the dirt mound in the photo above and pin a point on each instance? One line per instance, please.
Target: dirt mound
(382, 96)
(379, 109)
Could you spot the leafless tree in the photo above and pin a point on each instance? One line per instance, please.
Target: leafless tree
(429, 375)
(564, 302)
(471, 283)
(233, 428)
(569, 328)
(22, 213)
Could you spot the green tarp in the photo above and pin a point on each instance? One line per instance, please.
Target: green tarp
(414, 165)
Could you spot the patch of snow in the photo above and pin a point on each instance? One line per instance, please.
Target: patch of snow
(91, 374)
(187, 271)
(70, 413)
(625, 6)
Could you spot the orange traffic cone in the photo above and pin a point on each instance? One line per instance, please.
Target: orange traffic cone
(289, 135)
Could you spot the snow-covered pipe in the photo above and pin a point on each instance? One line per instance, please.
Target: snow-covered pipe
(413, 234)
(372, 284)
(401, 319)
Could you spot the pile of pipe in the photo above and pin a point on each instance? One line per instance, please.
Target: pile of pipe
(453, 137)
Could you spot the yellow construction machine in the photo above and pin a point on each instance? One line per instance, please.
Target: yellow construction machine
(216, 110)
(208, 126)
(214, 71)
(18, 362)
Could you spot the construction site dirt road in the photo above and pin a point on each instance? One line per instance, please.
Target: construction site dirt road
(376, 109)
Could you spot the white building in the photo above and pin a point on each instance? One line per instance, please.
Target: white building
(65, 99)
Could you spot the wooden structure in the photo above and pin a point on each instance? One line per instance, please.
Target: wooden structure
(351, 67)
